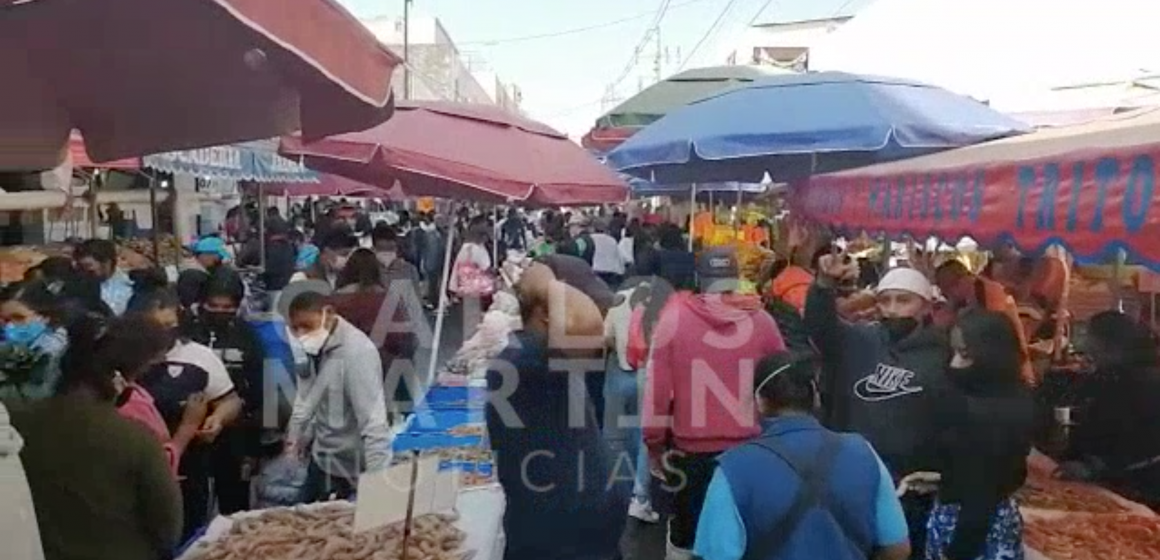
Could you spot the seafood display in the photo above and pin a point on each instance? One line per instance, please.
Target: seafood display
(326, 533)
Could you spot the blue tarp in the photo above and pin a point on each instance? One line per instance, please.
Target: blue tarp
(795, 125)
(249, 161)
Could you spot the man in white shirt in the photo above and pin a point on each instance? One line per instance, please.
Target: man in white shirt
(607, 261)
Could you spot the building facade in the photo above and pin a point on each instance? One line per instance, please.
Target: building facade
(783, 44)
(438, 69)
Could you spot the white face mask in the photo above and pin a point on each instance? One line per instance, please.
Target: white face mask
(312, 342)
(339, 263)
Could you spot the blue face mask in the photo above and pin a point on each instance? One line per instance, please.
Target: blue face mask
(25, 334)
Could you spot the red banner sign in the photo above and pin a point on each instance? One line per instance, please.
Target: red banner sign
(1092, 203)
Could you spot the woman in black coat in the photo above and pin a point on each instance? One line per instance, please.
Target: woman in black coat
(986, 425)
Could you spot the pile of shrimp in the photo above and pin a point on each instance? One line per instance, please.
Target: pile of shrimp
(327, 533)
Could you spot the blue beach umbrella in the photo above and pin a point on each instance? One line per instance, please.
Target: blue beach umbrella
(795, 125)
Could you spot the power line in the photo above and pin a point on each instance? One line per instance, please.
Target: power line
(576, 30)
(640, 45)
(708, 32)
(761, 10)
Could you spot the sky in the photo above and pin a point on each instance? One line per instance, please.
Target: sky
(564, 75)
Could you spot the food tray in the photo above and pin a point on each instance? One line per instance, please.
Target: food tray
(443, 398)
(426, 441)
(427, 420)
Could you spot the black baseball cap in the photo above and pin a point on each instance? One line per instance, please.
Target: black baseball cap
(718, 270)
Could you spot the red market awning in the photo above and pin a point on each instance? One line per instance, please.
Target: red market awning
(603, 140)
(1090, 188)
(332, 185)
(147, 76)
(466, 151)
(80, 157)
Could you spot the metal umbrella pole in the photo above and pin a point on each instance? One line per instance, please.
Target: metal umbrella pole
(441, 310)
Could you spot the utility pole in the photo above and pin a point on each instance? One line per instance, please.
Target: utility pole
(658, 69)
(406, 49)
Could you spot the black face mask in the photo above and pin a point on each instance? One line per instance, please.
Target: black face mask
(898, 328)
(218, 319)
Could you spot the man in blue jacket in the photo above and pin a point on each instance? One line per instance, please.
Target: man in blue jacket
(799, 491)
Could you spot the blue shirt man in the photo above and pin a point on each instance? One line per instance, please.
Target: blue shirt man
(799, 491)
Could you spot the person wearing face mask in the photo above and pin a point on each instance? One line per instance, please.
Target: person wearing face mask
(28, 312)
(799, 491)
(100, 483)
(97, 258)
(188, 369)
(711, 339)
(398, 273)
(362, 298)
(889, 376)
(334, 249)
(219, 327)
(343, 434)
(986, 427)
(139, 345)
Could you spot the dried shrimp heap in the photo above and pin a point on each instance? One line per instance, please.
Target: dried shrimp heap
(327, 533)
(1095, 537)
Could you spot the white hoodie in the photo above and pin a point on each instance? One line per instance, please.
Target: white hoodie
(18, 529)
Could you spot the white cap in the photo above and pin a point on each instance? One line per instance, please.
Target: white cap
(907, 280)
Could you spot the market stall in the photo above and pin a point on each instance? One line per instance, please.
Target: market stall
(1087, 187)
(1077, 521)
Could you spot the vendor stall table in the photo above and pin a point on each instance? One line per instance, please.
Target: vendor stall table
(480, 517)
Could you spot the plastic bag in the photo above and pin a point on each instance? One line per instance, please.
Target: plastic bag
(474, 281)
(281, 482)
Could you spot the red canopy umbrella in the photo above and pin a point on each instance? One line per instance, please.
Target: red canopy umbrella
(455, 150)
(147, 76)
(606, 139)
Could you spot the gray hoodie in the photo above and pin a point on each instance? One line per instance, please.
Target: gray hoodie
(340, 405)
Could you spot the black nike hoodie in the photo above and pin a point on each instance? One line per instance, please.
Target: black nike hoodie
(887, 391)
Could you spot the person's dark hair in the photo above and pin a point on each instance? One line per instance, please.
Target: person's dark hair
(308, 302)
(657, 300)
(100, 250)
(362, 269)
(225, 282)
(384, 233)
(151, 292)
(792, 386)
(56, 268)
(1123, 343)
(670, 237)
(338, 239)
(37, 295)
(992, 346)
(477, 232)
(953, 268)
(99, 349)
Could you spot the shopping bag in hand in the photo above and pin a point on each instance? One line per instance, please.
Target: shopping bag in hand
(281, 482)
(473, 281)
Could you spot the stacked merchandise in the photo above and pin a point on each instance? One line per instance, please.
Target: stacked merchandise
(470, 362)
(1076, 521)
(450, 423)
